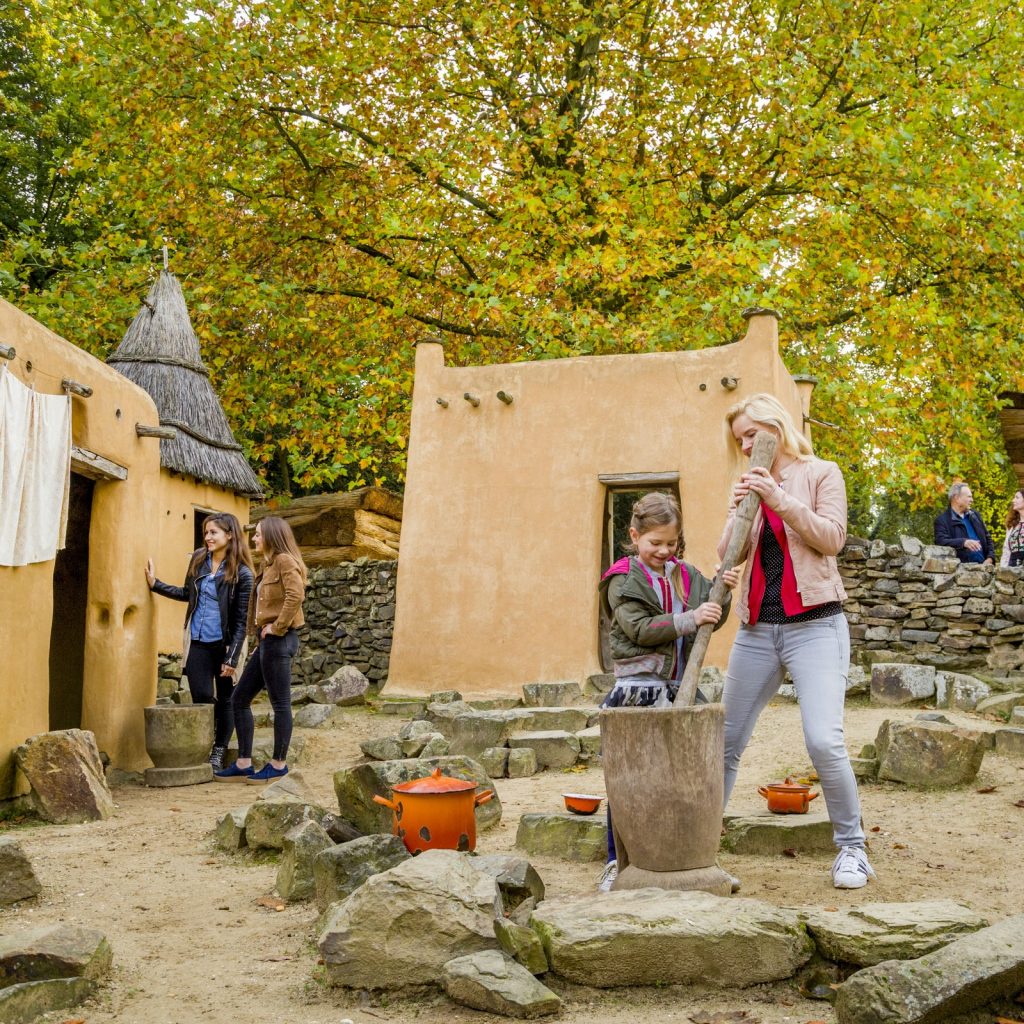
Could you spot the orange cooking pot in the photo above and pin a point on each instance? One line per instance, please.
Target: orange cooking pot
(787, 797)
(436, 812)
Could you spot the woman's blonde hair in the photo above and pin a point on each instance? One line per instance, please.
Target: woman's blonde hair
(768, 411)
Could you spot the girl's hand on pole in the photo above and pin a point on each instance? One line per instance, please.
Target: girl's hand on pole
(731, 577)
(763, 484)
(706, 613)
(150, 576)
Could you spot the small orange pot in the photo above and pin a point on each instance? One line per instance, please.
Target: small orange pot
(436, 812)
(787, 797)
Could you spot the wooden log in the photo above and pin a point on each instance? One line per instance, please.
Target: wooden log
(762, 454)
(385, 502)
(377, 527)
(374, 499)
(349, 553)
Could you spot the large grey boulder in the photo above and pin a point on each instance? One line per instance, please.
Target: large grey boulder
(554, 748)
(17, 877)
(768, 835)
(469, 732)
(895, 684)
(383, 748)
(654, 937)
(400, 927)
(302, 845)
(313, 716)
(66, 775)
(494, 761)
(955, 690)
(928, 755)
(522, 763)
(874, 932)
(552, 695)
(28, 1000)
(267, 822)
(339, 870)
(344, 688)
(495, 983)
(516, 877)
(355, 788)
(568, 836)
(954, 979)
(53, 951)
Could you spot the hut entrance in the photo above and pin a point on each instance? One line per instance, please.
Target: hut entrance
(621, 493)
(70, 592)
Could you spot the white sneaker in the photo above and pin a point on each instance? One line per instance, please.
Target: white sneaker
(608, 876)
(850, 869)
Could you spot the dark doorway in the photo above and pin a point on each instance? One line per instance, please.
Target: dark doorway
(70, 594)
(618, 509)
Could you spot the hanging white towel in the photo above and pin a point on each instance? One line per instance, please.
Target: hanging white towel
(35, 472)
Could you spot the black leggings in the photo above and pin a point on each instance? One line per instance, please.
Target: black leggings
(203, 671)
(270, 666)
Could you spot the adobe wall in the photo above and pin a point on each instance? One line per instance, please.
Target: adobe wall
(504, 506)
(120, 640)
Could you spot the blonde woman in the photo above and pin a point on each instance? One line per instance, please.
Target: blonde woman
(791, 614)
(275, 615)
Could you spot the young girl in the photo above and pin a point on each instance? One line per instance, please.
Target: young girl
(655, 602)
(274, 619)
(791, 614)
(217, 588)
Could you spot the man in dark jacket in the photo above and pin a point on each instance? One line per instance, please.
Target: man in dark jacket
(962, 529)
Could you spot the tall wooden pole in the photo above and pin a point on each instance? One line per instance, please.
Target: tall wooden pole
(763, 455)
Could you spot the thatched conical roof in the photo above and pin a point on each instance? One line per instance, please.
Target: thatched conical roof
(160, 352)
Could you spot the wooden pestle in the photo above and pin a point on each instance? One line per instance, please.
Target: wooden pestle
(762, 454)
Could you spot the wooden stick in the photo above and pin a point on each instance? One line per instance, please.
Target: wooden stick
(762, 454)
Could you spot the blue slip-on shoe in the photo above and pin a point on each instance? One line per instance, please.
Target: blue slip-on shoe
(234, 774)
(268, 773)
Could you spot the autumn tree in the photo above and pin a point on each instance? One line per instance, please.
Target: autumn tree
(535, 179)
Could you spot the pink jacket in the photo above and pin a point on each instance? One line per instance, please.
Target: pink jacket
(812, 507)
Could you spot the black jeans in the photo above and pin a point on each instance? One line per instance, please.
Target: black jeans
(270, 666)
(203, 671)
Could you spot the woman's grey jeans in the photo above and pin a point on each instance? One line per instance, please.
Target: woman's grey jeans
(817, 657)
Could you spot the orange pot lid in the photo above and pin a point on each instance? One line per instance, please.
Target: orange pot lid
(435, 782)
(789, 786)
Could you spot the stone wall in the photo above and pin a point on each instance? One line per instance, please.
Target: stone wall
(920, 603)
(350, 617)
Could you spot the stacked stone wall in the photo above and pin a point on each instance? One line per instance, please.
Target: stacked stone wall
(919, 602)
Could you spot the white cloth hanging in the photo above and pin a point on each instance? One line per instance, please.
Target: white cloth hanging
(35, 472)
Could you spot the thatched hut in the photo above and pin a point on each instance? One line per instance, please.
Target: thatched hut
(203, 468)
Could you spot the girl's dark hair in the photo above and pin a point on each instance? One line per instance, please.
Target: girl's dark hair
(1012, 516)
(278, 539)
(656, 509)
(238, 553)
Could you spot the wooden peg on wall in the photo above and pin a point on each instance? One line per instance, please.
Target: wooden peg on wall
(472, 399)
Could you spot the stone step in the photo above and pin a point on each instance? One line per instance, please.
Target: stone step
(567, 836)
(770, 834)
(554, 748)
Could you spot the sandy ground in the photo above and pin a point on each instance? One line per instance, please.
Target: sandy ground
(192, 942)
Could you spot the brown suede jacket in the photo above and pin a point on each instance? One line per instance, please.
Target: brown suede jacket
(280, 593)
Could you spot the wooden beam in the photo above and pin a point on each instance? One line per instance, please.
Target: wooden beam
(638, 480)
(95, 467)
(167, 433)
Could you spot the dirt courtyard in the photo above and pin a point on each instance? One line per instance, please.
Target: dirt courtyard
(192, 942)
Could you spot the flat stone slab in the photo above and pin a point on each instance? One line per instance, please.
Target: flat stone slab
(874, 932)
(554, 748)
(569, 836)
(1000, 704)
(653, 937)
(772, 834)
(166, 778)
(541, 719)
(401, 707)
(955, 979)
(495, 983)
(18, 879)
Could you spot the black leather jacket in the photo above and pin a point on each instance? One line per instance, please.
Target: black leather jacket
(233, 599)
